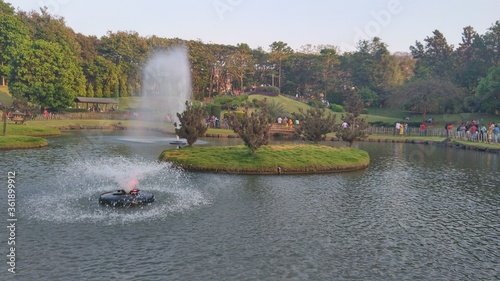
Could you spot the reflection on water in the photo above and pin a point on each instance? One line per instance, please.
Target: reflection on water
(417, 213)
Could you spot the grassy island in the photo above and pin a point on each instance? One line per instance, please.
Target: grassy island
(269, 159)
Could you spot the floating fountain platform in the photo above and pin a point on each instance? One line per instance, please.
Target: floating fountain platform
(120, 198)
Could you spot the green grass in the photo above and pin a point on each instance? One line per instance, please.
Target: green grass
(478, 144)
(125, 103)
(291, 105)
(266, 160)
(17, 142)
(32, 129)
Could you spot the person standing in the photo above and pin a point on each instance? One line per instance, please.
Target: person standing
(490, 132)
(450, 130)
(401, 129)
(422, 129)
(495, 134)
(398, 126)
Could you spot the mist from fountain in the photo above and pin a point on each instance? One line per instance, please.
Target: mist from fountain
(166, 86)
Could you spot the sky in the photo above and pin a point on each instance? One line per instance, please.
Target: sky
(259, 23)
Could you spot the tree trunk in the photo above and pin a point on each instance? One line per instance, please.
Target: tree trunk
(4, 118)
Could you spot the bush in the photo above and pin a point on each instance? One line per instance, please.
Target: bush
(214, 109)
(315, 103)
(267, 90)
(336, 107)
(239, 113)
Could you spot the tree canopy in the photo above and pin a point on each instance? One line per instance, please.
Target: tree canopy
(45, 61)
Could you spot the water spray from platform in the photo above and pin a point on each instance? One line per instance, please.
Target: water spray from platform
(166, 84)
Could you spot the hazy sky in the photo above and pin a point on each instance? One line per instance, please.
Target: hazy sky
(399, 23)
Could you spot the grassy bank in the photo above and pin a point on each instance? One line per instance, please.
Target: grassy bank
(270, 159)
(19, 142)
(32, 129)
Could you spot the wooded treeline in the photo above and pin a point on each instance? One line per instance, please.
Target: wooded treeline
(47, 63)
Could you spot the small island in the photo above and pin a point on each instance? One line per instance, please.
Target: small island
(269, 159)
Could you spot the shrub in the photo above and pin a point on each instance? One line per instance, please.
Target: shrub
(213, 109)
(267, 90)
(252, 128)
(315, 103)
(336, 107)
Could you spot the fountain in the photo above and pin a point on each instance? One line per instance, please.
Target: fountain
(166, 86)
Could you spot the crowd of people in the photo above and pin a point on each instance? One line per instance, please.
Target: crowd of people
(474, 131)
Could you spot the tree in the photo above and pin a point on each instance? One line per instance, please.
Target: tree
(279, 52)
(253, 129)
(353, 126)
(428, 96)
(44, 75)
(315, 124)
(302, 75)
(488, 91)
(13, 34)
(192, 123)
(329, 63)
(436, 58)
(241, 63)
(263, 67)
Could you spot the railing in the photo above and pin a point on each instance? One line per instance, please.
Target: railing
(430, 132)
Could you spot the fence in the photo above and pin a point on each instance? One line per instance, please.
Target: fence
(430, 132)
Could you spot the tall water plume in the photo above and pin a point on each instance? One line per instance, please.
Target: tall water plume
(166, 84)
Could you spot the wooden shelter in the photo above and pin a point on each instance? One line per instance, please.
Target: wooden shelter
(96, 103)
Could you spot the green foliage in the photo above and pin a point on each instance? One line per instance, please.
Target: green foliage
(230, 103)
(214, 110)
(238, 113)
(428, 96)
(355, 125)
(315, 124)
(192, 123)
(355, 129)
(267, 89)
(276, 109)
(253, 129)
(369, 97)
(336, 107)
(315, 103)
(353, 103)
(44, 75)
(111, 65)
(488, 91)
